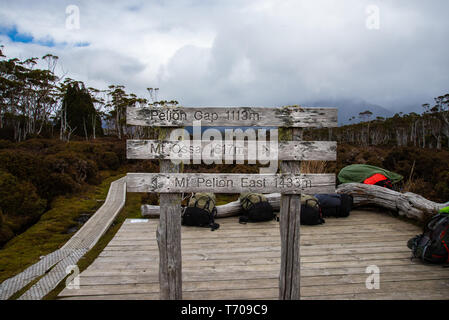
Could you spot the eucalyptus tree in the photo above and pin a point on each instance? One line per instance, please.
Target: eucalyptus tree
(27, 94)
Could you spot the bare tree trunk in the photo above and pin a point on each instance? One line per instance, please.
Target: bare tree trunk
(94, 122)
(117, 124)
(423, 135)
(85, 129)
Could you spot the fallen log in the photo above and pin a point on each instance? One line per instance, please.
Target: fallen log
(407, 204)
(230, 209)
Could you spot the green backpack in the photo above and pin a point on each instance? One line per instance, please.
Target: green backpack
(255, 207)
(201, 211)
(310, 211)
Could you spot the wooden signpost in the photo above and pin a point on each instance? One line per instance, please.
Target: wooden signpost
(287, 150)
(289, 182)
(231, 183)
(288, 117)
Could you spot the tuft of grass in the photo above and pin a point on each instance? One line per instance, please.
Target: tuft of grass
(316, 166)
(410, 185)
(224, 198)
(51, 231)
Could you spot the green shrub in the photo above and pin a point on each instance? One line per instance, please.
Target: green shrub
(428, 164)
(61, 184)
(38, 144)
(6, 234)
(27, 166)
(75, 165)
(5, 144)
(22, 164)
(19, 198)
(111, 160)
(442, 186)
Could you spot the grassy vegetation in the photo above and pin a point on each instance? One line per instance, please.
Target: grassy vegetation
(51, 231)
(131, 210)
(226, 198)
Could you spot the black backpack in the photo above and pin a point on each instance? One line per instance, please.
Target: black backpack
(335, 205)
(201, 211)
(310, 211)
(433, 244)
(256, 208)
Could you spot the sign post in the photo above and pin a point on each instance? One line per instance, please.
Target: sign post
(170, 183)
(289, 220)
(169, 236)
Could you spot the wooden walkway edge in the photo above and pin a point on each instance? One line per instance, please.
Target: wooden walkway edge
(57, 261)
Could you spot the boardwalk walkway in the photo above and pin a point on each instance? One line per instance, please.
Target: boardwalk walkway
(70, 253)
(242, 262)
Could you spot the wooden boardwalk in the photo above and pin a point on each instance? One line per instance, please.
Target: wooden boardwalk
(53, 266)
(242, 262)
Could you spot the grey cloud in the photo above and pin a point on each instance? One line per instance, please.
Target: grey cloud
(405, 62)
(262, 53)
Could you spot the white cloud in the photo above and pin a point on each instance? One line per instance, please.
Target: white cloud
(247, 52)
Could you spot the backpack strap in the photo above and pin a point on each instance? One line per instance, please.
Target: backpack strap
(247, 200)
(307, 201)
(243, 219)
(202, 197)
(213, 226)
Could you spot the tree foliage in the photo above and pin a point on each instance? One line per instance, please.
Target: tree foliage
(36, 102)
(427, 130)
(80, 113)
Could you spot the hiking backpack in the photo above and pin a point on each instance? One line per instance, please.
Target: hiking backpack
(201, 211)
(256, 208)
(310, 211)
(380, 180)
(335, 204)
(433, 244)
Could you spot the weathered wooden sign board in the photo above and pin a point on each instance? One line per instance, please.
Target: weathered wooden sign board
(210, 150)
(291, 183)
(233, 116)
(231, 183)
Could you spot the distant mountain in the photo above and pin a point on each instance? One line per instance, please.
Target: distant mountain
(348, 108)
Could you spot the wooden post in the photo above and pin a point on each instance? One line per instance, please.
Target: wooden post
(169, 236)
(290, 211)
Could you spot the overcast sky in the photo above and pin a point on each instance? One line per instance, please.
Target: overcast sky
(229, 52)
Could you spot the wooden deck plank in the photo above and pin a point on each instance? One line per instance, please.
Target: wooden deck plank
(89, 281)
(242, 262)
(309, 289)
(128, 271)
(220, 233)
(131, 250)
(251, 260)
(311, 286)
(306, 240)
